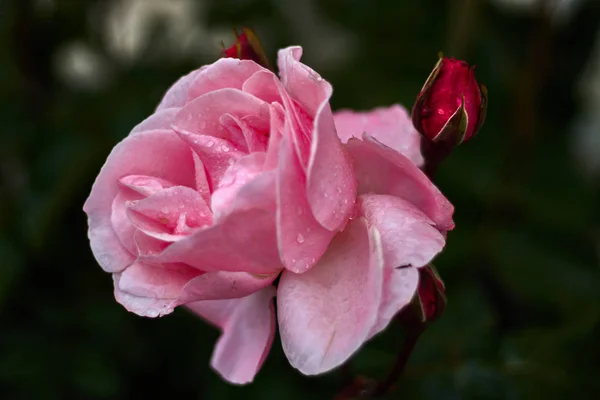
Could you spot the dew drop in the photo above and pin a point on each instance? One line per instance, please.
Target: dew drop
(210, 143)
(300, 238)
(339, 190)
(225, 148)
(152, 313)
(326, 194)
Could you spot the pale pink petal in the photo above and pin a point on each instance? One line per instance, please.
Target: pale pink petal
(236, 177)
(145, 185)
(221, 285)
(156, 281)
(178, 94)
(302, 83)
(202, 115)
(302, 240)
(202, 184)
(156, 289)
(160, 215)
(262, 85)
(399, 287)
(223, 73)
(148, 246)
(161, 154)
(248, 326)
(275, 136)
(391, 126)
(246, 138)
(244, 240)
(145, 306)
(407, 235)
(382, 170)
(331, 186)
(119, 220)
(161, 119)
(298, 125)
(326, 314)
(216, 155)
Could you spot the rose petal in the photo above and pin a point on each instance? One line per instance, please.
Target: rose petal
(202, 184)
(399, 287)
(223, 73)
(159, 215)
(301, 82)
(156, 281)
(302, 240)
(244, 240)
(155, 153)
(248, 326)
(161, 119)
(144, 306)
(262, 85)
(237, 176)
(247, 139)
(216, 154)
(275, 136)
(202, 115)
(331, 186)
(145, 185)
(147, 245)
(120, 222)
(177, 95)
(326, 314)
(407, 235)
(382, 170)
(391, 126)
(221, 285)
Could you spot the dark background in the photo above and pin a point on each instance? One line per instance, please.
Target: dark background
(521, 268)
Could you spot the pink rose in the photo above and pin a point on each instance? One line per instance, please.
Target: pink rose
(239, 177)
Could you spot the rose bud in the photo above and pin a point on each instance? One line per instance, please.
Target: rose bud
(428, 302)
(247, 47)
(431, 293)
(451, 107)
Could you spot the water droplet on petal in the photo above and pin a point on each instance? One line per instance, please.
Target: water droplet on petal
(339, 190)
(225, 148)
(326, 194)
(300, 238)
(210, 143)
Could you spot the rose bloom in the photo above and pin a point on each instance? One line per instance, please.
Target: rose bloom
(240, 177)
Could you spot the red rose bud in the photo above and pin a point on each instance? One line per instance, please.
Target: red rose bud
(247, 47)
(431, 293)
(451, 107)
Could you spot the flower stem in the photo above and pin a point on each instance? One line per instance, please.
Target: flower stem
(395, 373)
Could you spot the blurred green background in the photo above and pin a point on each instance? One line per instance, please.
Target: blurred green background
(521, 268)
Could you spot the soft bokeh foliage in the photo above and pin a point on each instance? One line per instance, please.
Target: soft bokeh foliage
(520, 268)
